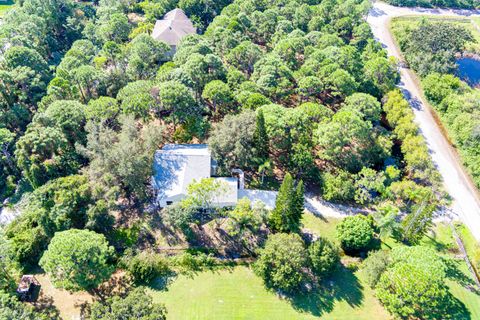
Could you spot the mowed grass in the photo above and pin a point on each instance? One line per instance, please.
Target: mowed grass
(236, 293)
(239, 294)
(5, 6)
(471, 24)
(466, 293)
(324, 226)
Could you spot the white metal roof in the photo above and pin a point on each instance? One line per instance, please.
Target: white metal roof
(177, 165)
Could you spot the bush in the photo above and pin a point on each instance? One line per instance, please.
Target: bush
(338, 187)
(400, 116)
(355, 234)
(246, 216)
(439, 86)
(178, 215)
(460, 4)
(136, 305)
(413, 287)
(145, 267)
(374, 266)
(324, 257)
(196, 261)
(127, 237)
(283, 261)
(12, 308)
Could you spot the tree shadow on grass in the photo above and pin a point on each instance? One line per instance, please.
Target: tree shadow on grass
(456, 274)
(455, 309)
(46, 305)
(431, 240)
(342, 286)
(162, 283)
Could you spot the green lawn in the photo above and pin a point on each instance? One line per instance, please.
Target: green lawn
(469, 298)
(5, 6)
(239, 294)
(236, 293)
(471, 245)
(322, 226)
(472, 24)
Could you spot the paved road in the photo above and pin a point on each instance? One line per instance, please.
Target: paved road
(466, 201)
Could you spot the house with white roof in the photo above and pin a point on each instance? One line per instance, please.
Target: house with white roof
(172, 28)
(176, 166)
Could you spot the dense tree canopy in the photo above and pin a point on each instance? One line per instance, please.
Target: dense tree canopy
(463, 4)
(136, 305)
(289, 89)
(431, 46)
(77, 259)
(282, 262)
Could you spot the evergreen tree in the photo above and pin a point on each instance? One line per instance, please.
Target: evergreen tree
(299, 201)
(417, 223)
(288, 206)
(261, 138)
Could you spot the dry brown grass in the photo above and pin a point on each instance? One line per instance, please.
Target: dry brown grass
(69, 305)
(72, 305)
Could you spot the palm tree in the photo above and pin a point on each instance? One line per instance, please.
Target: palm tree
(386, 218)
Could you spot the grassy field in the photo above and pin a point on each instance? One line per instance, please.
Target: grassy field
(237, 293)
(472, 24)
(5, 6)
(323, 226)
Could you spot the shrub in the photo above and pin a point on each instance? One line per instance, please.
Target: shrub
(338, 187)
(283, 261)
(324, 257)
(374, 266)
(196, 261)
(127, 237)
(400, 116)
(355, 234)
(145, 267)
(413, 287)
(178, 215)
(136, 305)
(246, 216)
(12, 308)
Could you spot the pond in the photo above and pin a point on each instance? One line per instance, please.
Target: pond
(469, 70)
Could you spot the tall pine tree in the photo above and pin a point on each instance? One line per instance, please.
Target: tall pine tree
(288, 207)
(299, 204)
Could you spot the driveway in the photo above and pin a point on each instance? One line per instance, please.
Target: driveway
(313, 203)
(466, 200)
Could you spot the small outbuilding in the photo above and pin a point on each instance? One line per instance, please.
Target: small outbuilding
(28, 288)
(172, 28)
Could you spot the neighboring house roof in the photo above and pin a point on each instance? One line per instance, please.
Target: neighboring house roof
(173, 27)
